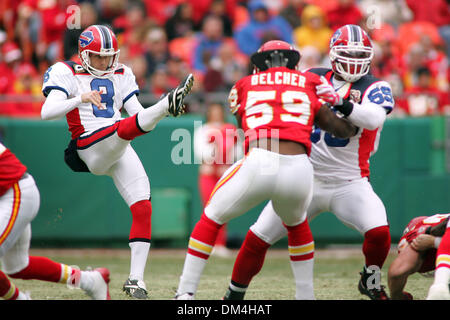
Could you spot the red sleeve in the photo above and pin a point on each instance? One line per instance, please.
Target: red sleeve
(312, 81)
(234, 98)
(11, 170)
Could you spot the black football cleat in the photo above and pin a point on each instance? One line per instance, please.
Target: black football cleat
(177, 95)
(135, 289)
(376, 293)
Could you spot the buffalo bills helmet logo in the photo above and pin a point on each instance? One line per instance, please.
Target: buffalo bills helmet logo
(86, 38)
(335, 36)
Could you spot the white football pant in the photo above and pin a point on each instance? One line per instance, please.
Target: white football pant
(354, 203)
(262, 175)
(18, 207)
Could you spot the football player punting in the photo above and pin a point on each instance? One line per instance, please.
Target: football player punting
(19, 204)
(276, 107)
(416, 252)
(341, 168)
(91, 96)
(439, 290)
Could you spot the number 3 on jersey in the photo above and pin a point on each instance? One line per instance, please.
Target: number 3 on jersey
(107, 87)
(259, 114)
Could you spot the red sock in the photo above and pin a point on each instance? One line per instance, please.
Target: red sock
(129, 128)
(41, 268)
(203, 237)
(301, 242)
(221, 239)
(8, 290)
(443, 252)
(249, 260)
(377, 243)
(141, 226)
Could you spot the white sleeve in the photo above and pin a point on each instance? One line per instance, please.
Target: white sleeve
(375, 104)
(368, 117)
(128, 85)
(59, 77)
(132, 105)
(57, 105)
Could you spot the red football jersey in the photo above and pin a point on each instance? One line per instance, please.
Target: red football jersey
(11, 169)
(277, 103)
(416, 227)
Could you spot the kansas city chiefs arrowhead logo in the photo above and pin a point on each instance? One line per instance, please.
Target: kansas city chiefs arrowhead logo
(86, 38)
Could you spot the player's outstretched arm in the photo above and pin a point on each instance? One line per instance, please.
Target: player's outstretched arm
(327, 120)
(406, 263)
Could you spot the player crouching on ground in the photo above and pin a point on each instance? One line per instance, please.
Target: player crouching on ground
(416, 252)
(19, 205)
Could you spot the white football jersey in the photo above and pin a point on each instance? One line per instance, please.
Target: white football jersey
(74, 80)
(348, 159)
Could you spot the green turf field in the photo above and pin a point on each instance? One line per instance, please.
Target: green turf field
(336, 275)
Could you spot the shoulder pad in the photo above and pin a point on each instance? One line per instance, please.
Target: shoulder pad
(365, 82)
(319, 71)
(75, 67)
(123, 69)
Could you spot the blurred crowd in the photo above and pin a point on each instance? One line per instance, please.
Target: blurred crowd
(163, 40)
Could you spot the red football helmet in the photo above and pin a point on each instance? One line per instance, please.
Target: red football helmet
(351, 52)
(275, 53)
(101, 40)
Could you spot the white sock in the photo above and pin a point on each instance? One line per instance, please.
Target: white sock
(139, 254)
(303, 276)
(22, 296)
(86, 280)
(442, 276)
(149, 117)
(192, 271)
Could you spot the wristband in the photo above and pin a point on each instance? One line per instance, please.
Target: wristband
(345, 108)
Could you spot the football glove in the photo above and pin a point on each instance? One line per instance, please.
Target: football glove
(326, 92)
(177, 95)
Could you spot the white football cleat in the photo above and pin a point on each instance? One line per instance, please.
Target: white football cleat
(439, 291)
(100, 288)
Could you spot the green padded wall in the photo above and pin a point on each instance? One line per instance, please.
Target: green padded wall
(408, 172)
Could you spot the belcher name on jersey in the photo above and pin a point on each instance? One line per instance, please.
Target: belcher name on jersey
(348, 159)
